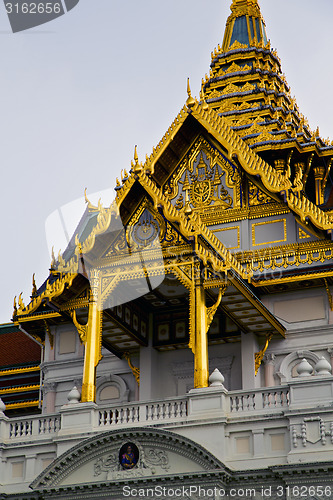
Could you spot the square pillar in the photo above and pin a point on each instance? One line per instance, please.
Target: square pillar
(249, 346)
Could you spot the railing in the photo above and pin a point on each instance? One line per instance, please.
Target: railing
(34, 426)
(166, 410)
(262, 401)
(154, 411)
(259, 399)
(123, 415)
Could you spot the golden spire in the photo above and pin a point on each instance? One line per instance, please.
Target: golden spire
(137, 167)
(245, 25)
(243, 7)
(203, 101)
(190, 101)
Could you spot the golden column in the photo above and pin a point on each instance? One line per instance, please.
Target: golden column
(93, 340)
(198, 328)
(201, 364)
(201, 318)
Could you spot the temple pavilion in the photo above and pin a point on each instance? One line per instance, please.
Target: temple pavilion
(194, 314)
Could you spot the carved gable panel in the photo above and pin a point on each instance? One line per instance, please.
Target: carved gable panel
(147, 222)
(145, 228)
(258, 197)
(205, 179)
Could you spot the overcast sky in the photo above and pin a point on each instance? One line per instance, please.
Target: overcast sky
(78, 93)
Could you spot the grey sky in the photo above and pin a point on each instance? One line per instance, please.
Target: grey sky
(78, 93)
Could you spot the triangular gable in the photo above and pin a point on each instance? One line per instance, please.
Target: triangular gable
(206, 178)
(184, 131)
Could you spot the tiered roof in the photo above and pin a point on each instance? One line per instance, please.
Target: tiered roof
(253, 127)
(247, 87)
(20, 357)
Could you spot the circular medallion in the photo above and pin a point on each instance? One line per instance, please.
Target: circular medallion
(128, 455)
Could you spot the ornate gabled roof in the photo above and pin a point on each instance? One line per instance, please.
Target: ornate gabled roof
(284, 164)
(190, 225)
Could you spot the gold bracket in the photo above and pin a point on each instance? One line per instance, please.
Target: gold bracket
(258, 356)
(135, 370)
(210, 311)
(82, 329)
(329, 295)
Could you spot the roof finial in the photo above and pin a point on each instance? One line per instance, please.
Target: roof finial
(21, 303)
(53, 260)
(15, 308)
(34, 287)
(203, 100)
(137, 167)
(190, 101)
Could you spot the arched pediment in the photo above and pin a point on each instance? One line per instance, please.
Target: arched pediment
(107, 457)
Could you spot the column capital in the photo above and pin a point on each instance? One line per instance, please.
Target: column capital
(269, 358)
(49, 387)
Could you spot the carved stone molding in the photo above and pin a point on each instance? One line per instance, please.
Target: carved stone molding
(312, 431)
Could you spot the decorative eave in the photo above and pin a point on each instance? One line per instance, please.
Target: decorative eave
(51, 291)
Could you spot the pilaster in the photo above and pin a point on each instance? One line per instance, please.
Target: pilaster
(249, 347)
(269, 364)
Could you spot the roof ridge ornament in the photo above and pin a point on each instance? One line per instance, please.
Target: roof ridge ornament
(203, 100)
(190, 102)
(91, 207)
(137, 166)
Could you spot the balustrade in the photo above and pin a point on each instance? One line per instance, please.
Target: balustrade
(259, 399)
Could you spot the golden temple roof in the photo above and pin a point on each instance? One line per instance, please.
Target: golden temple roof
(246, 86)
(252, 116)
